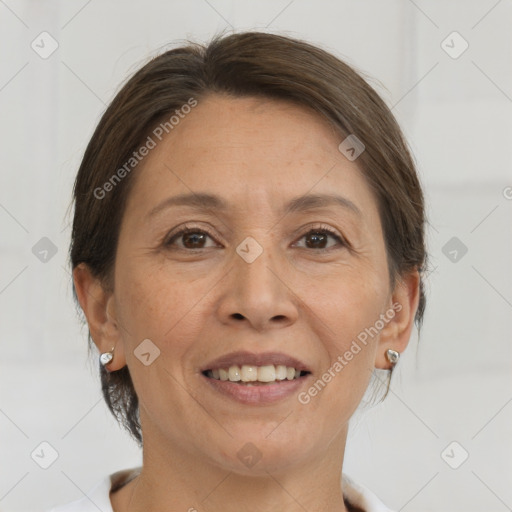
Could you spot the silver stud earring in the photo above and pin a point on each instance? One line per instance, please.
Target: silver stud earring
(393, 356)
(107, 357)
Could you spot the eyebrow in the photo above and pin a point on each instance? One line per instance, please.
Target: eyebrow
(204, 201)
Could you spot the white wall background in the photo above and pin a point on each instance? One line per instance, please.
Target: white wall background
(455, 385)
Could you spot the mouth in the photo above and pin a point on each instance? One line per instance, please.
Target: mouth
(251, 375)
(253, 379)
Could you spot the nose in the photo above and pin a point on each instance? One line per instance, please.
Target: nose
(256, 292)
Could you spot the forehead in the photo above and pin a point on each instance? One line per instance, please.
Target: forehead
(250, 127)
(250, 150)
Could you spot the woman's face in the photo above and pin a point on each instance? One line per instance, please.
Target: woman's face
(255, 274)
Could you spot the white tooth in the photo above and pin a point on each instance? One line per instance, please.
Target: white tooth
(267, 373)
(223, 374)
(297, 374)
(249, 373)
(290, 373)
(215, 374)
(280, 372)
(234, 373)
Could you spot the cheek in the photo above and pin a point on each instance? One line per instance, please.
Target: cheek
(351, 312)
(351, 300)
(170, 313)
(152, 307)
(150, 304)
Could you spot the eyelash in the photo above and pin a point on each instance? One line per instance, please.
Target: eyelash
(320, 229)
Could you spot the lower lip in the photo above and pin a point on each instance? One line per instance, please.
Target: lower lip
(258, 394)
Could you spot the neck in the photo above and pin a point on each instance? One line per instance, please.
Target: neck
(172, 479)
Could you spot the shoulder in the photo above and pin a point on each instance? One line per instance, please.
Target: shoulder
(361, 497)
(98, 498)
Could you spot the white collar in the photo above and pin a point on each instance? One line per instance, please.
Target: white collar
(98, 498)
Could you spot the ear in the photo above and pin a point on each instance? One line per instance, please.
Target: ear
(98, 306)
(399, 318)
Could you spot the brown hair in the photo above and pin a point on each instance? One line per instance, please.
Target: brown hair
(241, 64)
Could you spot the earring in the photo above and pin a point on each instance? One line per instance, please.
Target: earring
(393, 356)
(107, 357)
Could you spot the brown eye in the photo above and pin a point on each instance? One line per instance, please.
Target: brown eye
(191, 238)
(318, 238)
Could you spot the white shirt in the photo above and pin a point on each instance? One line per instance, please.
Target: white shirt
(98, 498)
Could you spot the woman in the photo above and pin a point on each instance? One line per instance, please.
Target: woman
(247, 247)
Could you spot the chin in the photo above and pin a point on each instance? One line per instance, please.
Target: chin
(257, 453)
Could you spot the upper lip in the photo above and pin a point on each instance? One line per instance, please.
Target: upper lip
(249, 358)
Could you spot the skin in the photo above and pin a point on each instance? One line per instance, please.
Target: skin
(196, 305)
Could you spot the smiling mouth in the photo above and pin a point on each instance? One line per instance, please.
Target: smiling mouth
(251, 375)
